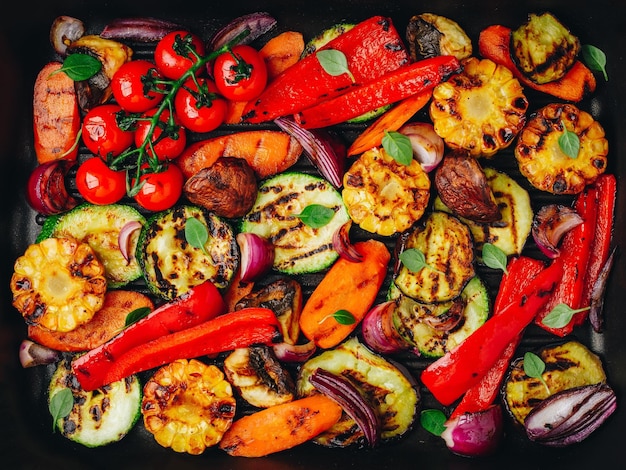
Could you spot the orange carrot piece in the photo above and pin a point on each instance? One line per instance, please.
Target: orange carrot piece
(56, 116)
(391, 120)
(267, 151)
(280, 427)
(234, 111)
(281, 52)
(346, 286)
(105, 324)
(494, 44)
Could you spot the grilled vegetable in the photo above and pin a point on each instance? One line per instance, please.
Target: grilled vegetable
(258, 376)
(448, 250)
(481, 109)
(172, 263)
(58, 284)
(543, 48)
(383, 196)
(298, 247)
(430, 35)
(567, 365)
(552, 167)
(188, 405)
(434, 329)
(100, 227)
(512, 230)
(393, 395)
(99, 417)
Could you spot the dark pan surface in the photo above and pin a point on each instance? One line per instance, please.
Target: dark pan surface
(26, 440)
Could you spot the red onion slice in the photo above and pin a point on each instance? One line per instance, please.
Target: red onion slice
(257, 255)
(343, 245)
(475, 434)
(257, 24)
(144, 29)
(124, 238)
(294, 352)
(33, 354)
(378, 330)
(428, 147)
(597, 294)
(46, 191)
(550, 223)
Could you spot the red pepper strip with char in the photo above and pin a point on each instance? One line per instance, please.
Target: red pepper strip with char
(372, 48)
(452, 375)
(394, 86)
(575, 253)
(521, 271)
(226, 332)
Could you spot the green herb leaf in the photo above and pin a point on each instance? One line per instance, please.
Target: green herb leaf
(494, 257)
(561, 315)
(334, 62)
(569, 142)
(316, 215)
(595, 59)
(534, 367)
(61, 404)
(196, 233)
(433, 421)
(80, 67)
(414, 260)
(343, 317)
(136, 315)
(399, 147)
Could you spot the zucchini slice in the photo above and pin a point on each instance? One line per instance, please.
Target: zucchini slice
(418, 323)
(100, 226)
(567, 365)
(394, 395)
(298, 247)
(511, 232)
(173, 258)
(448, 250)
(99, 417)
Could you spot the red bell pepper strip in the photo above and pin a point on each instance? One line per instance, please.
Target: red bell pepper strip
(372, 48)
(238, 329)
(391, 87)
(521, 271)
(457, 371)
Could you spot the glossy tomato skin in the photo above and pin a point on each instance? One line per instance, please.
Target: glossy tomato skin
(161, 190)
(128, 86)
(101, 133)
(240, 75)
(169, 62)
(99, 184)
(166, 148)
(198, 116)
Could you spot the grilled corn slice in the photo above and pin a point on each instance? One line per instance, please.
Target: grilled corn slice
(188, 406)
(58, 284)
(542, 159)
(383, 196)
(481, 109)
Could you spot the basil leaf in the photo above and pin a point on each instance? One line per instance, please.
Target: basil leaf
(399, 147)
(560, 316)
(196, 233)
(80, 67)
(316, 215)
(433, 421)
(334, 62)
(533, 365)
(494, 257)
(414, 260)
(343, 317)
(136, 315)
(60, 406)
(569, 142)
(595, 59)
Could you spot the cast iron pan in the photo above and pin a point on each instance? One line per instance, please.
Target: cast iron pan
(26, 439)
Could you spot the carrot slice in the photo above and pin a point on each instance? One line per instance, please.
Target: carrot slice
(280, 427)
(281, 52)
(105, 324)
(350, 286)
(392, 120)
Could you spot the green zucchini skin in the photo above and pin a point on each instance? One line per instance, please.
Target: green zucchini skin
(100, 417)
(171, 264)
(298, 248)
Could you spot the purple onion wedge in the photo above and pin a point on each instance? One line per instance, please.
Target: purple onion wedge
(550, 223)
(475, 434)
(597, 294)
(257, 24)
(32, 354)
(145, 29)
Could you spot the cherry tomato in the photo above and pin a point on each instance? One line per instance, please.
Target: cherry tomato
(168, 147)
(200, 113)
(161, 190)
(101, 133)
(172, 64)
(99, 184)
(241, 74)
(132, 89)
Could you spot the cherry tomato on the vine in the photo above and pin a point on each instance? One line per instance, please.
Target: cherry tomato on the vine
(134, 86)
(200, 109)
(172, 61)
(99, 184)
(241, 74)
(160, 191)
(101, 133)
(166, 147)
